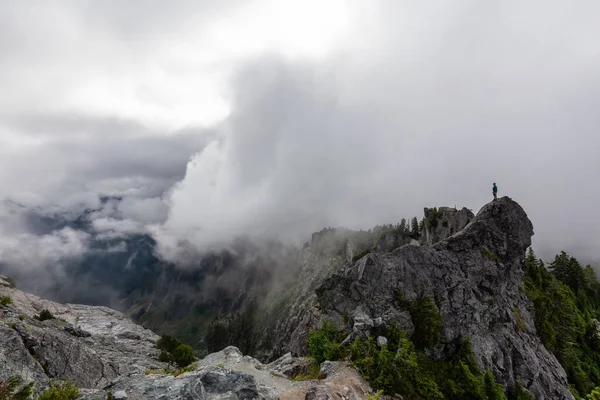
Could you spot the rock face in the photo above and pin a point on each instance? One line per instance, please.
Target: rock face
(474, 275)
(228, 374)
(89, 346)
(443, 222)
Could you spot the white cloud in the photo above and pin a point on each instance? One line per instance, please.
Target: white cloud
(275, 118)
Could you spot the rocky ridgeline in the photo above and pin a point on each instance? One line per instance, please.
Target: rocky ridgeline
(101, 351)
(471, 266)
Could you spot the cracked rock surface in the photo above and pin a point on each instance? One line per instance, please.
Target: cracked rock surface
(90, 346)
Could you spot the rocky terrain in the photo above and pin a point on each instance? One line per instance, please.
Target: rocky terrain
(87, 345)
(101, 351)
(470, 266)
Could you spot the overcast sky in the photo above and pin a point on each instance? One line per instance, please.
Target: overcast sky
(276, 118)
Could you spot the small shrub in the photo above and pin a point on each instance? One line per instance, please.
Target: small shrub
(167, 343)
(221, 365)
(399, 296)
(60, 391)
(520, 322)
(313, 374)
(346, 317)
(21, 317)
(493, 390)
(173, 351)
(183, 355)
(520, 393)
(44, 316)
(5, 300)
(13, 389)
(360, 255)
(594, 395)
(427, 321)
(324, 343)
(109, 396)
(63, 320)
(394, 371)
(489, 254)
(375, 396)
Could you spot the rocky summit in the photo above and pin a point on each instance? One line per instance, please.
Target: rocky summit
(470, 266)
(475, 279)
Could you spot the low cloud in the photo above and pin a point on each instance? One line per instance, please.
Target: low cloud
(204, 137)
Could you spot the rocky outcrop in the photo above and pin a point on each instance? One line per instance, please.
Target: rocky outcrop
(443, 222)
(90, 346)
(474, 275)
(101, 351)
(228, 374)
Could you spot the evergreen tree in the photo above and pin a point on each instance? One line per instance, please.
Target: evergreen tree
(402, 228)
(414, 228)
(567, 270)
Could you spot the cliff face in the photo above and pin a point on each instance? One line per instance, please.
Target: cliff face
(474, 276)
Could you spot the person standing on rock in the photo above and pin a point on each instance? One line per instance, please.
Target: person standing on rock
(495, 191)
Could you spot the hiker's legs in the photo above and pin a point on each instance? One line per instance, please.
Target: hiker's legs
(495, 196)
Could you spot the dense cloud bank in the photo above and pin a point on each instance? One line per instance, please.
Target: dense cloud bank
(211, 121)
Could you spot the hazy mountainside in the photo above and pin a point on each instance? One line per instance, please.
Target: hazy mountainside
(123, 272)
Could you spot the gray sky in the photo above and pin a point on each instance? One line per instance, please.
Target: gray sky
(276, 118)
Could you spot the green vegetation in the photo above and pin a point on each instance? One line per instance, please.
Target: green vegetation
(425, 317)
(361, 254)
(314, 373)
(13, 389)
(44, 316)
(566, 299)
(324, 343)
(173, 351)
(520, 322)
(60, 391)
(21, 317)
(5, 300)
(375, 396)
(415, 232)
(433, 218)
(520, 393)
(490, 255)
(428, 322)
(402, 368)
(594, 395)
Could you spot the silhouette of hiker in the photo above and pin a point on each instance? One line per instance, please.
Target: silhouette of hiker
(495, 191)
